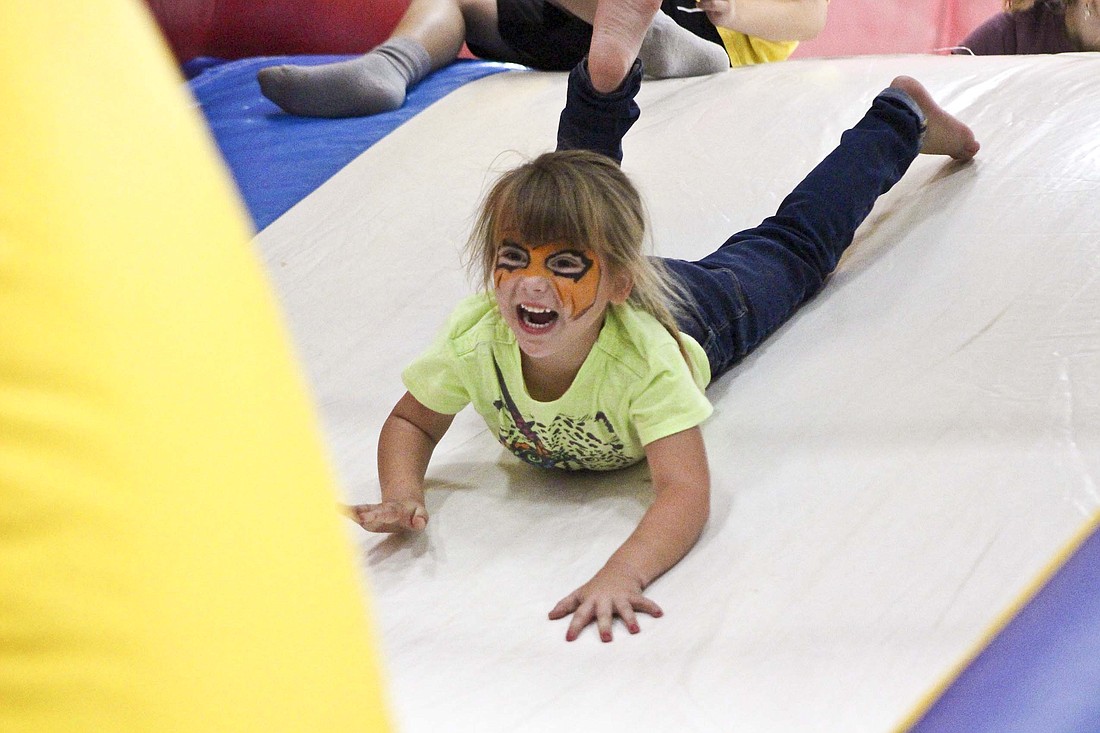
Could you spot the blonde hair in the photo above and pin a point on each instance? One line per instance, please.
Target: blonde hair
(584, 198)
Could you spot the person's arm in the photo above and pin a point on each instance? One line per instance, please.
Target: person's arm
(405, 446)
(668, 530)
(772, 20)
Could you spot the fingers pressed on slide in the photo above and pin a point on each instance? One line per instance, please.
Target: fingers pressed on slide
(389, 516)
(564, 607)
(647, 606)
(584, 615)
(602, 612)
(625, 611)
(605, 613)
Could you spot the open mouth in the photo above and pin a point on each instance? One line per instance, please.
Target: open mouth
(536, 318)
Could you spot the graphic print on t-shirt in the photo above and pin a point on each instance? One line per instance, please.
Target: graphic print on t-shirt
(571, 443)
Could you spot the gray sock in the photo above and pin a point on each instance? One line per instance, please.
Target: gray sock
(670, 50)
(373, 83)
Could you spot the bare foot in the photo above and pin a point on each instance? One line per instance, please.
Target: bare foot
(617, 32)
(946, 134)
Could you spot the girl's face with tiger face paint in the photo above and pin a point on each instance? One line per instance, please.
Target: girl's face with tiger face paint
(550, 295)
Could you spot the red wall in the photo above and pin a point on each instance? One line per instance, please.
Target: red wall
(240, 28)
(856, 27)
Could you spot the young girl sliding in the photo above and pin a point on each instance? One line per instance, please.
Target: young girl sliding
(586, 354)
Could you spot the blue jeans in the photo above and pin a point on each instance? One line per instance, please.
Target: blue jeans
(758, 278)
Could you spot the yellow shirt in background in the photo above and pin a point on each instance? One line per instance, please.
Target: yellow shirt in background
(748, 50)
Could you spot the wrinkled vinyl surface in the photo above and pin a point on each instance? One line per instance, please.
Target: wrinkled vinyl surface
(894, 471)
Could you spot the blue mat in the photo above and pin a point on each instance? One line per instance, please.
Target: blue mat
(278, 159)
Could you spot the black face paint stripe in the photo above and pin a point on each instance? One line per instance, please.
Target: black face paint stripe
(574, 276)
(520, 249)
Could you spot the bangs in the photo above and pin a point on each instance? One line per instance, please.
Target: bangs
(547, 206)
(575, 197)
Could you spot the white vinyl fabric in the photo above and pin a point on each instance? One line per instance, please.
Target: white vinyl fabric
(893, 471)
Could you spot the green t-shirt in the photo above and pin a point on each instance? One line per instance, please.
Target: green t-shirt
(633, 388)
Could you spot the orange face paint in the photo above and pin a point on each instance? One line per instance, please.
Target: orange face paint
(574, 272)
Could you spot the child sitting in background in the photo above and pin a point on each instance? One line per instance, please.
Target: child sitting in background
(693, 40)
(1037, 26)
(584, 353)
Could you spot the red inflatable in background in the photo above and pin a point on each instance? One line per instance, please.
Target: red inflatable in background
(861, 27)
(233, 29)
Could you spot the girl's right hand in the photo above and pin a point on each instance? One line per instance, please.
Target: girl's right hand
(389, 516)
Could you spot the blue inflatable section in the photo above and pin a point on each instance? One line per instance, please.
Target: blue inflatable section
(278, 159)
(1041, 674)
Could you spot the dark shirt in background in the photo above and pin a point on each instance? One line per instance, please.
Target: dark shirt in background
(1042, 29)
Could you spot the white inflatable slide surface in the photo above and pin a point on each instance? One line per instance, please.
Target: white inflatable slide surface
(895, 472)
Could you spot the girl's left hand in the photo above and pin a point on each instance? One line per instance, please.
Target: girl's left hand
(612, 592)
(389, 516)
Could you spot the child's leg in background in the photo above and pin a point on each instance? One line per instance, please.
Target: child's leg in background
(428, 36)
(595, 121)
(618, 28)
(759, 277)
